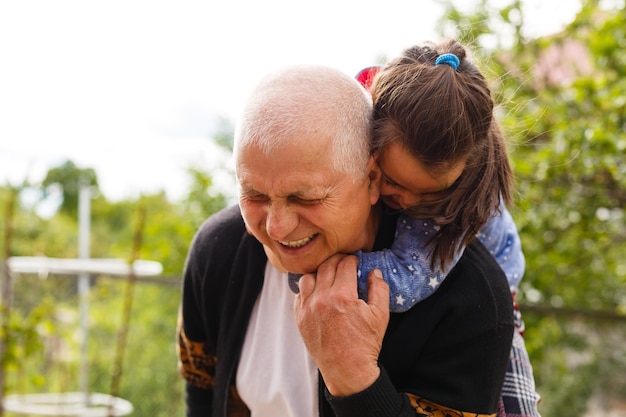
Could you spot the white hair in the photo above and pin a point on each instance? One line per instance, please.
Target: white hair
(296, 102)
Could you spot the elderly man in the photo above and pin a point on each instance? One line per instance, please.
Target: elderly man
(308, 191)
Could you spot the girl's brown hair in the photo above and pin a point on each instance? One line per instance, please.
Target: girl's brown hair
(444, 116)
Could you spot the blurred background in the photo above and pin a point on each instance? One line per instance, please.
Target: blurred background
(135, 104)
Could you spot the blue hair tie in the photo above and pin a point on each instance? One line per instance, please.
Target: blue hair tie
(449, 59)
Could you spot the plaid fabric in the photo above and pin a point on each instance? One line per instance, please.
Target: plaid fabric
(519, 398)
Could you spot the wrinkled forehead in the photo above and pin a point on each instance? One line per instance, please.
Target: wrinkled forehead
(296, 141)
(306, 159)
(310, 178)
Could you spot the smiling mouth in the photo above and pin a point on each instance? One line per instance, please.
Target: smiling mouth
(297, 243)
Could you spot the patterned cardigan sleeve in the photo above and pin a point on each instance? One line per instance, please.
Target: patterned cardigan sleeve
(209, 262)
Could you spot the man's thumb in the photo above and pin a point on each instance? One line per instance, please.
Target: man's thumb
(378, 290)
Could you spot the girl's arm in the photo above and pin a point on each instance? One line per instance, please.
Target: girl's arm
(406, 266)
(501, 238)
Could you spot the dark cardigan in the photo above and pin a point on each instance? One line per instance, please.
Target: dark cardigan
(449, 351)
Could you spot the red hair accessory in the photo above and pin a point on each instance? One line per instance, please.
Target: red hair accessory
(366, 76)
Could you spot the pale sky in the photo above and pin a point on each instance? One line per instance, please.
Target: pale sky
(132, 88)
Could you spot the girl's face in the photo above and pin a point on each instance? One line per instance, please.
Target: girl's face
(406, 182)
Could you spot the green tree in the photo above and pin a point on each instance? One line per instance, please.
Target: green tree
(202, 199)
(42, 353)
(69, 178)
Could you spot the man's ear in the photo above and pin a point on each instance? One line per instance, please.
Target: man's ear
(374, 175)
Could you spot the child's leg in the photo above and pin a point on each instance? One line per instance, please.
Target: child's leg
(519, 398)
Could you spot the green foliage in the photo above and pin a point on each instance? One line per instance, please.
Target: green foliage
(40, 335)
(570, 166)
(70, 179)
(148, 372)
(43, 338)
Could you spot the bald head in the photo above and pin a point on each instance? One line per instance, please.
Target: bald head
(314, 104)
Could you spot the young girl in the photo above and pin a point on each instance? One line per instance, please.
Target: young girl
(411, 145)
(445, 167)
(412, 269)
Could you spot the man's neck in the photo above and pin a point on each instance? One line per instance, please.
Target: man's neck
(373, 226)
(385, 228)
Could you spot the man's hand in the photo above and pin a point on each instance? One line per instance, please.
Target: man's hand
(343, 333)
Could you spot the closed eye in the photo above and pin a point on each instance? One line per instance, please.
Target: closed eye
(254, 196)
(305, 201)
(390, 182)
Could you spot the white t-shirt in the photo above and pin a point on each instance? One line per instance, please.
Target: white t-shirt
(276, 376)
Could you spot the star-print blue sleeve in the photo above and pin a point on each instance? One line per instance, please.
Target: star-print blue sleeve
(501, 238)
(406, 266)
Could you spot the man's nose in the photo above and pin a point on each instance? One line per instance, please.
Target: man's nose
(281, 220)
